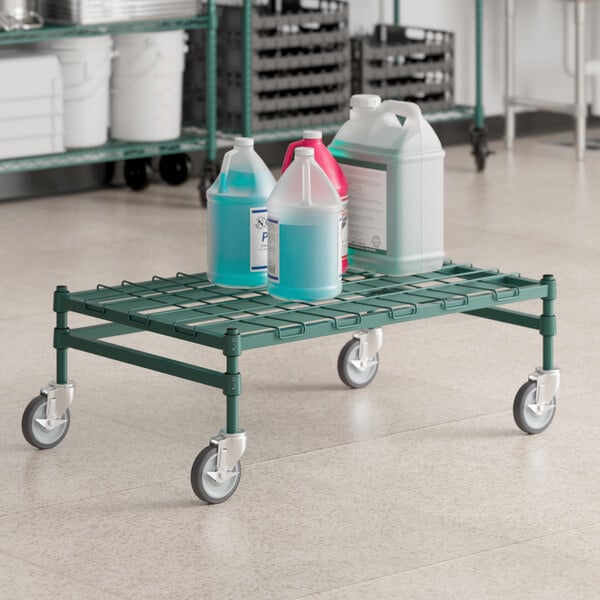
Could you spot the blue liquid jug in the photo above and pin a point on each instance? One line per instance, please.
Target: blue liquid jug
(236, 216)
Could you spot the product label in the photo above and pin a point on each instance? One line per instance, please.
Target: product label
(344, 230)
(273, 251)
(342, 252)
(367, 205)
(258, 238)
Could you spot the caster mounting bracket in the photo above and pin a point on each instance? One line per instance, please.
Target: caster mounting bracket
(230, 448)
(59, 398)
(547, 384)
(370, 342)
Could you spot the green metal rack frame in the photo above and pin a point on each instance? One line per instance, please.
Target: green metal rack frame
(192, 139)
(457, 113)
(190, 308)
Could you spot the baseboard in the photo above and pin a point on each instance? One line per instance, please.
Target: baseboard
(527, 124)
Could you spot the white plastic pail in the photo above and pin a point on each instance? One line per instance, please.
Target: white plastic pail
(147, 86)
(86, 64)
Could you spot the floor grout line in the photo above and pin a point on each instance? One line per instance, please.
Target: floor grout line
(449, 560)
(61, 576)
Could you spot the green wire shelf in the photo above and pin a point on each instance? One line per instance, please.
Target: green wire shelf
(53, 32)
(192, 140)
(191, 308)
(455, 113)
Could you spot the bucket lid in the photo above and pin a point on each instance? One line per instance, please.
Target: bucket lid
(312, 134)
(244, 142)
(370, 101)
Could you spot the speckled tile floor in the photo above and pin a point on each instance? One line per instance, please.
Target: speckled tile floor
(418, 486)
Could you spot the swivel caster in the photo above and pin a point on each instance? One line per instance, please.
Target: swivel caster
(480, 148)
(217, 470)
(535, 402)
(358, 360)
(175, 168)
(46, 418)
(137, 172)
(209, 175)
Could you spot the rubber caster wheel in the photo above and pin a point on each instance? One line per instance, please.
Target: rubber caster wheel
(38, 435)
(209, 175)
(480, 148)
(480, 153)
(137, 173)
(110, 169)
(205, 183)
(351, 372)
(525, 412)
(205, 486)
(175, 168)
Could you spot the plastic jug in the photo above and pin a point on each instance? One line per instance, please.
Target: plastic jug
(236, 216)
(324, 158)
(394, 164)
(304, 232)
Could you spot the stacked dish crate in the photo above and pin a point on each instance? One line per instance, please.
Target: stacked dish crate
(300, 63)
(31, 104)
(405, 63)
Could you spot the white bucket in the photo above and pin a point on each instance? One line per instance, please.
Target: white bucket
(147, 86)
(86, 64)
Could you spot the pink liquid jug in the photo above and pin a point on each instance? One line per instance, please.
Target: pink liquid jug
(324, 158)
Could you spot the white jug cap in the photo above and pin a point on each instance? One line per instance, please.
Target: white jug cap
(371, 101)
(304, 151)
(312, 134)
(243, 142)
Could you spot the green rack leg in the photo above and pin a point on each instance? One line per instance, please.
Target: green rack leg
(548, 323)
(61, 328)
(211, 82)
(210, 169)
(233, 382)
(478, 131)
(479, 117)
(396, 12)
(247, 69)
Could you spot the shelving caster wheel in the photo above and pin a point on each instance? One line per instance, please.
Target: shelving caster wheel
(110, 169)
(209, 175)
(217, 470)
(480, 147)
(535, 402)
(46, 418)
(359, 359)
(137, 172)
(174, 168)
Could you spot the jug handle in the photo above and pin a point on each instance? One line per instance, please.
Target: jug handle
(225, 171)
(289, 153)
(409, 110)
(306, 195)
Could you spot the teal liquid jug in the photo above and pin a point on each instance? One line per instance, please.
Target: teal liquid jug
(236, 217)
(305, 213)
(394, 164)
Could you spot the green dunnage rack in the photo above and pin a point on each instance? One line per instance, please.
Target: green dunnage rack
(190, 308)
(192, 139)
